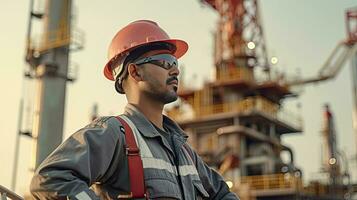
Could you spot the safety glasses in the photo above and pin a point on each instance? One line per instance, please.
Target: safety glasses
(166, 61)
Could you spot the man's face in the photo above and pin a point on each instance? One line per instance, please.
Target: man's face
(159, 83)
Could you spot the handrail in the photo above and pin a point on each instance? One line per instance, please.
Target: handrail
(251, 104)
(282, 181)
(235, 74)
(272, 181)
(57, 38)
(4, 192)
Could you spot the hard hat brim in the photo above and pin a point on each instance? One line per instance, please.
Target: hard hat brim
(181, 49)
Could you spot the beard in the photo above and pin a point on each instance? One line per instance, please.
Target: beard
(161, 93)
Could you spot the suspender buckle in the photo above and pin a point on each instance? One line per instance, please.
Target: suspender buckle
(125, 196)
(132, 151)
(130, 196)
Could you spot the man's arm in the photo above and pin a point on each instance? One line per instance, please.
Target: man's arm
(212, 181)
(84, 158)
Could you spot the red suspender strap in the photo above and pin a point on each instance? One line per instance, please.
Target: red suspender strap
(136, 170)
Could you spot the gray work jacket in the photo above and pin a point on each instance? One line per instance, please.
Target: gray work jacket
(92, 164)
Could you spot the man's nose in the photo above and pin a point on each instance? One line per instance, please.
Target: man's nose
(174, 71)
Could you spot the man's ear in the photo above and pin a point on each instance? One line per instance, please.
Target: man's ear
(134, 72)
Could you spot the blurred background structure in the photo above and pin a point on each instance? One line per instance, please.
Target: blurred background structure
(237, 119)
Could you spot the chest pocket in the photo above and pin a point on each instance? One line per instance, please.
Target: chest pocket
(201, 193)
(161, 184)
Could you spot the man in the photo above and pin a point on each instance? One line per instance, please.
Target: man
(93, 162)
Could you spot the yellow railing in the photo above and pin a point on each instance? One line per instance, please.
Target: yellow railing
(247, 105)
(273, 181)
(285, 181)
(58, 38)
(236, 73)
(316, 189)
(50, 40)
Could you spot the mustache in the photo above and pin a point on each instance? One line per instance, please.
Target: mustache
(174, 78)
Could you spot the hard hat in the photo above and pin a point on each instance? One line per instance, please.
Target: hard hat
(134, 35)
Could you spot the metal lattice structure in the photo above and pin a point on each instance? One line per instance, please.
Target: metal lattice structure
(236, 121)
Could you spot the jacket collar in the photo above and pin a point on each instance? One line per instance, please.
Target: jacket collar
(147, 129)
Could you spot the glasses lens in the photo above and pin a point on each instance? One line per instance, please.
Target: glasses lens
(166, 61)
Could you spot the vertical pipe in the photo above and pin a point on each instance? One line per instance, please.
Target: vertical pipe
(354, 82)
(51, 80)
(17, 146)
(29, 25)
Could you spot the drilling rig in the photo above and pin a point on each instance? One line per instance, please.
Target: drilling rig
(236, 121)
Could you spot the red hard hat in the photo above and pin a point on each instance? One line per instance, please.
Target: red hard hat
(136, 34)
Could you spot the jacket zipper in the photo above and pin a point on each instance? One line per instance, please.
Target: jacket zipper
(176, 160)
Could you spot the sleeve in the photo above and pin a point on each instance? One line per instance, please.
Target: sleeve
(83, 159)
(212, 181)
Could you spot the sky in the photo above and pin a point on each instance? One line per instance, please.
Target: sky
(301, 33)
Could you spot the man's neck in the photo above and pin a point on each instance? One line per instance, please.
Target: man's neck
(151, 110)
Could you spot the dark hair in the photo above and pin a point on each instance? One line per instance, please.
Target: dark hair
(136, 54)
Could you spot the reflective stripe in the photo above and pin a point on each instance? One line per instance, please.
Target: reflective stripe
(83, 196)
(144, 149)
(149, 161)
(154, 163)
(188, 170)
